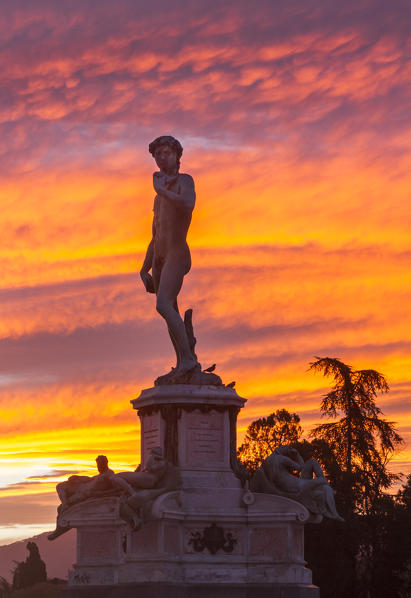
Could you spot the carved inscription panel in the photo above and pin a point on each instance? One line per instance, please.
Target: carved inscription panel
(152, 433)
(98, 545)
(205, 439)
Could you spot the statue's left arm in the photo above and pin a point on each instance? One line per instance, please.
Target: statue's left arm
(184, 200)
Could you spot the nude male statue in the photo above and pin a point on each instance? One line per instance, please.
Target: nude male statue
(168, 255)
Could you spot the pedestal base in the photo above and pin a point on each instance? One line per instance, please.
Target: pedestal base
(167, 590)
(212, 537)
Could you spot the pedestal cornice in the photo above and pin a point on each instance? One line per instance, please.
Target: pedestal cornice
(189, 395)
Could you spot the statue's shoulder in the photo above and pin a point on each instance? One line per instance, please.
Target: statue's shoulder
(184, 177)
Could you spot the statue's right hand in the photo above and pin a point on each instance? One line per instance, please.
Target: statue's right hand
(147, 281)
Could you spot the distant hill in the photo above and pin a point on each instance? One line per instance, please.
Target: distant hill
(58, 555)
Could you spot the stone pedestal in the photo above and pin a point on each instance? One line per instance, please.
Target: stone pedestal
(211, 538)
(196, 427)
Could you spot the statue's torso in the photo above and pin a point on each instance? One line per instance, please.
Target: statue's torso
(171, 226)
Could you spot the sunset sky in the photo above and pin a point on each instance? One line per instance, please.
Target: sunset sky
(294, 118)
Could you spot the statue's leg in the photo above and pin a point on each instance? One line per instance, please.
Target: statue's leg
(120, 481)
(129, 515)
(171, 280)
(156, 274)
(131, 480)
(173, 340)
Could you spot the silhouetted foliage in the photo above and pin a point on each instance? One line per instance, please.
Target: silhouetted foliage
(369, 555)
(366, 556)
(30, 571)
(400, 540)
(384, 557)
(404, 495)
(264, 435)
(361, 440)
(328, 551)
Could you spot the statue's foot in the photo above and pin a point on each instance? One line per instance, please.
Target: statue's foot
(332, 514)
(187, 367)
(180, 374)
(136, 523)
(166, 377)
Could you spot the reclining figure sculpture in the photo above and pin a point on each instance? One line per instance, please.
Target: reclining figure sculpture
(277, 476)
(137, 489)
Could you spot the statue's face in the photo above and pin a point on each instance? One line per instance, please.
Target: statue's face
(166, 158)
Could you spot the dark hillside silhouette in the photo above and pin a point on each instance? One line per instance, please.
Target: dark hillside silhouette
(59, 557)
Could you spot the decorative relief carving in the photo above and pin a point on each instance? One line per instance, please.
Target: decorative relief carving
(213, 538)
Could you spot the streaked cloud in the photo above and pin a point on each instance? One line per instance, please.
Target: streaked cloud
(293, 121)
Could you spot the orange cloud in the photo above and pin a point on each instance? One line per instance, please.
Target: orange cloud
(295, 132)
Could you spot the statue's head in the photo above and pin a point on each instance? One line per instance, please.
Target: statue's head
(102, 463)
(166, 151)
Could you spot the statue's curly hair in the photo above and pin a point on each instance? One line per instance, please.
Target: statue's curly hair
(167, 140)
